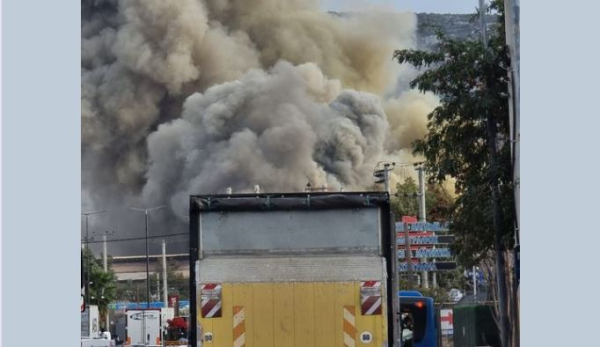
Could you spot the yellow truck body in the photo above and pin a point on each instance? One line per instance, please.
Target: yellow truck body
(292, 277)
(293, 314)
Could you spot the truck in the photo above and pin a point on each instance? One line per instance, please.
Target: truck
(146, 327)
(293, 270)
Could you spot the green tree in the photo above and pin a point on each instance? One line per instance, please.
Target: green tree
(177, 282)
(102, 284)
(404, 202)
(472, 86)
(467, 140)
(438, 202)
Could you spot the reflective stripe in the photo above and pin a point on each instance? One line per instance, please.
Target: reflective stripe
(349, 326)
(239, 327)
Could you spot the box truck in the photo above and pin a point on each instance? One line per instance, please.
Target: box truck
(144, 327)
(293, 270)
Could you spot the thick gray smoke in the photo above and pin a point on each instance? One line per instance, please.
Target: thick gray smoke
(279, 129)
(192, 96)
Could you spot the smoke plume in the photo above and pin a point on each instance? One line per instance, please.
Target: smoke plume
(193, 96)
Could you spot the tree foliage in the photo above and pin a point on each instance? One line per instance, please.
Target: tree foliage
(177, 282)
(102, 284)
(405, 202)
(135, 291)
(473, 88)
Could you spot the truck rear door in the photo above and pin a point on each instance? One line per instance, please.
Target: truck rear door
(295, 269)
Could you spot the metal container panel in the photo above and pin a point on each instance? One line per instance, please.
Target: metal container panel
(284, 232)
(293, 314)
(291, 269)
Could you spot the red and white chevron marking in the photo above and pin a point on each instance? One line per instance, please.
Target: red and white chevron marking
(211, 300)
(349, 329)
(370, 298)
(239, 326)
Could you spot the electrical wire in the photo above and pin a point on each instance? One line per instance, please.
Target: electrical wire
(398, 164)
(135, 238)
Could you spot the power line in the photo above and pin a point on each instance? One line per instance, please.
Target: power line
(138, 238)
(398, 164)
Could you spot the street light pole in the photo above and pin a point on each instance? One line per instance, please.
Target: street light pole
(147, 265)
(87, 261)
(146, 210)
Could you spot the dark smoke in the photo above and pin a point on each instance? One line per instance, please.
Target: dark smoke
(192, 96)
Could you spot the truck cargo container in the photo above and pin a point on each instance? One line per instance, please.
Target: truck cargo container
(144, 327)
(293, 270)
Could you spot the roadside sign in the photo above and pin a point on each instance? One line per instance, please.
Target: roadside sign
(426, 253)
(428, 266)
(414, 237)
(447, 320)
(426, 239)
(423, 226)
(409, 219)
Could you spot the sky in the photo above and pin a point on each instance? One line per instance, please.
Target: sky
(418, 6)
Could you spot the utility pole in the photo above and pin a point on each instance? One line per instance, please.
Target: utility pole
(157, 286)
(104, 248)
(474, 281)
(511, 8)
(498, 242)
(165, 283)
(104, 254)
(492, 131)
(105, 266)
(482, 11)
(422, 212)
(164, 261)
(386, 176)
(87, 249)
(421, 195)
(383, 176)
(408, 256)
(511, 15)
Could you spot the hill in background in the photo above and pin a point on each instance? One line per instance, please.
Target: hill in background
(455, 26)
